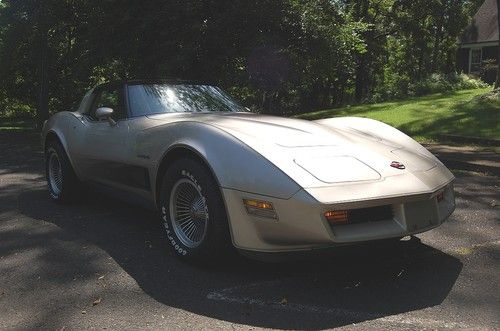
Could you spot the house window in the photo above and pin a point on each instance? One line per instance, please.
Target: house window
(475, 60)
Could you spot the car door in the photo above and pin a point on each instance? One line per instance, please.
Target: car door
(106, 146)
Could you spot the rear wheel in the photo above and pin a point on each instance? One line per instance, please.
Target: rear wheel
(61, 179)
(193, 213)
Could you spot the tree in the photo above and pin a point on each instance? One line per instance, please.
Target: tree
(41, 52)
(497, 83)
(280, 56)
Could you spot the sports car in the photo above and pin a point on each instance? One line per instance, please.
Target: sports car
(222, 177)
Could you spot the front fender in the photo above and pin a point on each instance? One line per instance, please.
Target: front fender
(62, 125)
(235, 165)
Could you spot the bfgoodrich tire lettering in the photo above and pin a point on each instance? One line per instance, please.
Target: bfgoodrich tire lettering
(201, 201)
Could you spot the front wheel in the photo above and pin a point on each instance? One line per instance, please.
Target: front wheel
(193, 213)
(61, 179)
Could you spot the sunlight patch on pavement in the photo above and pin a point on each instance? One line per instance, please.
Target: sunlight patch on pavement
(463, 251)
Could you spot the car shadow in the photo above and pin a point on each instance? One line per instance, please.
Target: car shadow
(344, 286)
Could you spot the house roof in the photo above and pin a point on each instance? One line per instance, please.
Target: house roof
(484, 25)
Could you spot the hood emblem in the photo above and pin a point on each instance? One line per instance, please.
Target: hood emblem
(397, 165)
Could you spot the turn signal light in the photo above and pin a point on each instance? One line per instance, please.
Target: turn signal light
(440, 196)
(258, 204)
(260, 208)
(337, 216)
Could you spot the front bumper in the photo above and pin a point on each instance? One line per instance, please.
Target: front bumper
(302, 226)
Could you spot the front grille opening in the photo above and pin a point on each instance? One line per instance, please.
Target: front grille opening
(371, 214)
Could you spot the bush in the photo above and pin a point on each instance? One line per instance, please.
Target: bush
(400, 87)
(437, 83)
(13, 108)
(492, 97)
(393, 87)
(488, 71)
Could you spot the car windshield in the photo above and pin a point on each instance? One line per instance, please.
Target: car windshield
(172, 98)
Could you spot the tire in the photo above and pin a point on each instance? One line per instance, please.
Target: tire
(189, 193)
(62, 182)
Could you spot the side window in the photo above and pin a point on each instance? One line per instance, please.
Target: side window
(110, 97)
(137, 102)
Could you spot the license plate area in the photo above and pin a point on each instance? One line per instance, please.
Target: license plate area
(420, 214)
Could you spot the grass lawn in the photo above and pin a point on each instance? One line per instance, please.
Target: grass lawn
(424, 118)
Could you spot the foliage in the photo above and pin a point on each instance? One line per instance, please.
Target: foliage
(492, 97)
(461, 112)
(441, 83)
(277, 56)
(401, 87)
(488, 71)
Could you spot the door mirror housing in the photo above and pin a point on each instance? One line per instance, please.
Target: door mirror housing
(104, 113)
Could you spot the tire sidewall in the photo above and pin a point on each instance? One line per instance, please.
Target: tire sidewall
(192, 171)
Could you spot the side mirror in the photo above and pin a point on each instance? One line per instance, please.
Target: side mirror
(104, 113)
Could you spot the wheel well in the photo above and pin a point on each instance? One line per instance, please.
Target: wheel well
(50, 137)
(177, 153)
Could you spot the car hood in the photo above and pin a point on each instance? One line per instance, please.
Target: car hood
(283, 132)
(316, 155)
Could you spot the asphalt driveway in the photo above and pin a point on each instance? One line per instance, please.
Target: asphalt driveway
(103, 264)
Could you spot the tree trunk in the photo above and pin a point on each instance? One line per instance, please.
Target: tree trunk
(41, 43)
(360, 83)
(497, 83)
(43, 81)
(438, 36)
(361, 14)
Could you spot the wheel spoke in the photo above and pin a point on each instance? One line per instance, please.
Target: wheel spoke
(183, 201)
(190, 228)
(184, 219)
(188, 211)
(196, 235)
(186, 225)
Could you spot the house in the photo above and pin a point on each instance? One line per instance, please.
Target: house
(480, 41)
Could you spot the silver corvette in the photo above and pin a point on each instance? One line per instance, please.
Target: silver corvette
(223, 177)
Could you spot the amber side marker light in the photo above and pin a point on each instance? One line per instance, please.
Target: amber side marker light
(337, 216)
(440, 196)
(260, 208)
